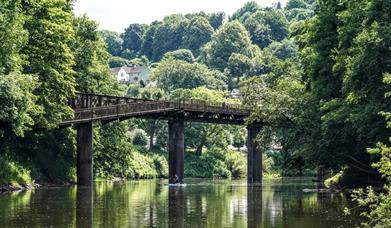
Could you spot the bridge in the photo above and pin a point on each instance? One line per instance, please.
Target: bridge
(89, 108)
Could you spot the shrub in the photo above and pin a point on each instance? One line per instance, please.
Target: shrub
(139, 137)
(13, 173)
(236, 163)
(161, 165)
(221, 170)
(378, 204)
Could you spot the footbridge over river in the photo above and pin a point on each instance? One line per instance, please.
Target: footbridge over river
(89, 108)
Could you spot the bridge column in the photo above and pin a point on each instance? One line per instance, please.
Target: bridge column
(176, 150)
(84, 154)
(254, 156)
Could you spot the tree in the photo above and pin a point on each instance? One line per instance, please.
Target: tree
(298, 14)
(317, 42)
(128, 54)
(139, 137)
(266, 26)
(133, 37)
(285, 49)
(113, 41)
(278, 5)
(180, 54)
(49, 56)
(378, 204)
(168, 35)
(198, 32)
(243, 13)
(230, 38)
(239, 139)
(116, 61)
(216, 19)
(12, 35)
(347, 84)
(17, 102)
(174, 74)
(280, 100)
(92, 71)
(291, 4)
(147, 45)
(238, 65)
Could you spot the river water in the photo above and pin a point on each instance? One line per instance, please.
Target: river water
(201, 203)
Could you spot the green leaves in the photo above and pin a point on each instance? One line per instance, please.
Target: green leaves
(49, 56)
(180, 54)
(133, 37)
(12, 35)
(92, 71)
(232, 37)
(17, 103)
(197, 33)
(174, 74)
(266, 26)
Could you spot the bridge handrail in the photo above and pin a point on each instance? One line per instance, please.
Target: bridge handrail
(91, 106)
(91, 101)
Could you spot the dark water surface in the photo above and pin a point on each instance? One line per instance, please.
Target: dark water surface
(201, 203)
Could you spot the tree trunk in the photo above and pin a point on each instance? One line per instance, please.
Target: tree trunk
(151, 141)
(199, 149)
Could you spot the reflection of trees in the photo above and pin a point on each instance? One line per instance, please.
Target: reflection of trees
(130, 204)
(38, 208)
(218, 205)
(285, 204)
(15, 202)
(152, 204)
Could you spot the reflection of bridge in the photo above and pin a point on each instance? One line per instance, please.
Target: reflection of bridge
(91, 107)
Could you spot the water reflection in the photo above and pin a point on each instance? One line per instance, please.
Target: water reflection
(176, 207)
(84, 207)
(254, 206)
(202, 203)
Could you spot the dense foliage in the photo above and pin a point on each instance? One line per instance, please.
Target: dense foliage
(315, 72)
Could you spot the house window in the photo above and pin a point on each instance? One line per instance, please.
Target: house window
(135, 79)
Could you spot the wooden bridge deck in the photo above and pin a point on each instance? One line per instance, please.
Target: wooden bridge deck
(92, 107)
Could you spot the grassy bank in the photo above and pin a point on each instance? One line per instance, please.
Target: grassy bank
(137, 162)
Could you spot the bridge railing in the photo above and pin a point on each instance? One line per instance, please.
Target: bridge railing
(91, 106)
(87, 100)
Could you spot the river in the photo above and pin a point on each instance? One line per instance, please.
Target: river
(201, 203)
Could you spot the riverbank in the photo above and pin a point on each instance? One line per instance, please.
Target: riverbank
(134, 163)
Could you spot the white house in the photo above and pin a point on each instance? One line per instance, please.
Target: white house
(235, 93)
(133, 74)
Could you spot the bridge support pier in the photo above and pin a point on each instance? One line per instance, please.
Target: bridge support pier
(254, 156)
(84, 154)
(176, 150)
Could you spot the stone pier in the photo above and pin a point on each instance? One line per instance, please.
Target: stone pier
(176, 149)
(254, 156)
(84, 154)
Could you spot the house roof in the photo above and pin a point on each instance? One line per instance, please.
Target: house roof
(128, 70)
(115, 70)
